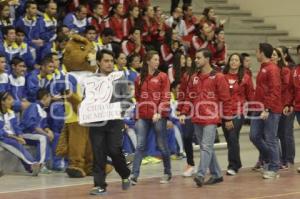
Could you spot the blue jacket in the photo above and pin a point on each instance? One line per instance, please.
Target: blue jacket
(31, 28)
(4, 24)
(33, 117)
(9, 52)
(48, 28)
(34, 82)
(26, 55)
(17, 87)
(74, 24)
(14, 124)
(4, 82)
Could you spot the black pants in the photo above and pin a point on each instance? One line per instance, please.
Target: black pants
(174, 4)
(233, 144)
(187, 136)
(107, 141)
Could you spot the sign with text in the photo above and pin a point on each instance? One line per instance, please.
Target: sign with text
(96, 106)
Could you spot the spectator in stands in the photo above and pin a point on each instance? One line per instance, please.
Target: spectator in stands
(191, 22)
(134, 43)
(176, 22)
(287, 56)
(132, 20)
(91, 34)
(4, 84)
(5, 17)
(25, 51)
(175, 3)
(63, 30)
(9, 48)
(241, 91)
(175, 69)
(220, 56)
(48, 23)
(97, 19)
(116, 22)
(11, 135)
(121, 62)
(77, 21)
(134, 65)
(35, 127)
(29, 24)
(263, 131)
(106, 41)
(209, 17)
(152, 112)
(38, 79)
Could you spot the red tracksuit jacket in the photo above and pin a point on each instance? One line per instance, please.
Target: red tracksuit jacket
(211, 99)
(117, 24)
(286, 82)
(295, 88)
(128, 47)
(183, 90)
(153, 96)
(240, 92)
(268, 88)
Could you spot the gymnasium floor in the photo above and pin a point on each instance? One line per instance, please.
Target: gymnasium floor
(246, 185)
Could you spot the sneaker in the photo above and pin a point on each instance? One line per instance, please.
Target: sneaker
(126, 184)
(298, 170)
(97, 191)
(212, 181)
(133, 180)
(154, 160)
(257, 167)
(35, 168)
(189, 171)
(45, 170)
(283, 167)
(270, 175)
(165, 179)
(231, 172)
(145, 161)
(199, 181)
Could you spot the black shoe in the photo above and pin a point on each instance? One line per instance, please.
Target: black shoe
(133, 181)
(212, 181)
(126, 184)
(98, 191)
(199, 181)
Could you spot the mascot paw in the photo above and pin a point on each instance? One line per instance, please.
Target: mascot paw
(75, 172)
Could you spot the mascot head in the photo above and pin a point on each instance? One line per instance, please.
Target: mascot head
(79, 55)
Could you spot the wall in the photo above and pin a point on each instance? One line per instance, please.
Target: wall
(284, 14)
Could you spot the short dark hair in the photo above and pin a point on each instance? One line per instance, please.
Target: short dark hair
(206, 53)
(101, 53)
(16, 61)
(80, 7)
(90, 27)
(2, 55)
(6, 29)
(42, 93)
(20, 30)
(245, 55)
(46, 60)
(132, 30)
(108, 32)
(267, 49)
(186, 6)
(29, 3)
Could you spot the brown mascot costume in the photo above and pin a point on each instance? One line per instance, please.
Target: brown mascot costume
(79, 60)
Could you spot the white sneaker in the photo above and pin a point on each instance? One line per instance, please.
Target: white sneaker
(298, 170)
(270, 175)
(189, 171)
(231, 172)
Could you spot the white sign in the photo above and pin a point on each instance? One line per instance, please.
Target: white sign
(96, 106)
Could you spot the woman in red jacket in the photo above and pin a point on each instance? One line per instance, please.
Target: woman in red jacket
(241, 91)
(152, 92)
(116, 22)
(286, 122)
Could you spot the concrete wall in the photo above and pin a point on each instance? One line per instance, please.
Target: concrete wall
(285, 14)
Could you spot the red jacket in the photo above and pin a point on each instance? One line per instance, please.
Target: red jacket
(117, 24)
(166, 54)
(268, 88)
(128, 47)
(183, 90)
(150, 32)
(198, 43)
(295, 88)
(98, 23)
(286, 96)
(249, 72)
(219, 56)
(153, 96)
(210, 96)
(240, 92)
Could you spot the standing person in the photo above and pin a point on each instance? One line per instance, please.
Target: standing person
(263, 131)
(152, 92)
(241, 91)
(207, 89)
(107, 139)
(247, 63)
(187, 127)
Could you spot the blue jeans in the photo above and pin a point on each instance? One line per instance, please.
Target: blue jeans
(286, 137)
(263, 134)
(206, 138)
(143, 126)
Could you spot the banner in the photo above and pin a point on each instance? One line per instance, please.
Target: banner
(96, 106)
